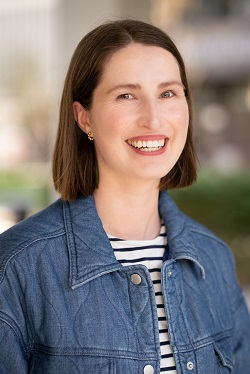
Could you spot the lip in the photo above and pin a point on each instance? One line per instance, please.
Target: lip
(146, 138)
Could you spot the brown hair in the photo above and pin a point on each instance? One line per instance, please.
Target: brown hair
(75, 169)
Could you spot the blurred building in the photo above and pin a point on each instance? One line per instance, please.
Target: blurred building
(26, 80)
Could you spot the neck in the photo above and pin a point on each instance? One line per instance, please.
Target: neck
(129, 213)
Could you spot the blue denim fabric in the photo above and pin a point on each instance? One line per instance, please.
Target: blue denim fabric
(67, 305)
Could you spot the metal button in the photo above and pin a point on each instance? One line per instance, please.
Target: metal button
(135, 278)
(148, 369)
(169, 273)
(190, 365)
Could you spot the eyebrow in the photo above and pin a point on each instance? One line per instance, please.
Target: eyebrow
(171, 83)
(133, 86)
(130, 86)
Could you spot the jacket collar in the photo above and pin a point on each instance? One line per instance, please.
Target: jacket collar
(90, 252)
(180, 236)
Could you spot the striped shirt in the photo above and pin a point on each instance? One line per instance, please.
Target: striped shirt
(150, 253)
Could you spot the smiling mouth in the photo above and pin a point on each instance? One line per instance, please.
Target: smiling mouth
(147, 146)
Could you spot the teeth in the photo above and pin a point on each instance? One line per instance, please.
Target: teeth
(150, 149)
(147, 146)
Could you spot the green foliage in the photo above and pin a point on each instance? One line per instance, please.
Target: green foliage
(27, 187)
(222, 203)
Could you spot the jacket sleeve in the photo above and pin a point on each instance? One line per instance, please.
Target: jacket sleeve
(12, 356)
(240, 342)
(241, 337)
(241, 322)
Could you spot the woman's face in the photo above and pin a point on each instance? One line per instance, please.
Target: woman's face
(139, 115)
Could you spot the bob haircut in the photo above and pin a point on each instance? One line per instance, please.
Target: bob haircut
(75, 169)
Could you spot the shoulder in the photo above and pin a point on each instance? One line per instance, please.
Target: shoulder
(214, 253)
(186, 234)
(41, 224)
(217, 258)
(181, 225)
(46, 224)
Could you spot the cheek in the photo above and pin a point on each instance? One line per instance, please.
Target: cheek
(180, 120)
(109, 122)
(182, 113)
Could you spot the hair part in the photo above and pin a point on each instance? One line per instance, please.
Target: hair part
(74, 165)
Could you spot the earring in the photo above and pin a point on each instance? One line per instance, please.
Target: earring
(90, 137)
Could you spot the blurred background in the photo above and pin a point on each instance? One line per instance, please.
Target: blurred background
(38, 39)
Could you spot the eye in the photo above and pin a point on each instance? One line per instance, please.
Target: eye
(126, 96)
(167, 94)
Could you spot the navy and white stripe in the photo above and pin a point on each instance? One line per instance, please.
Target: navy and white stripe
(150, 253)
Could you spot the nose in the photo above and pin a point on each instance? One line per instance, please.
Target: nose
(149, 115)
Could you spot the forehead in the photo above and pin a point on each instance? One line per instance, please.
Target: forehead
(137, 60)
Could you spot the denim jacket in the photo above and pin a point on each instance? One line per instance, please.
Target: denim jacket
(68, 306)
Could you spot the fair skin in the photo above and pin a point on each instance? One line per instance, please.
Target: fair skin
(139, 120)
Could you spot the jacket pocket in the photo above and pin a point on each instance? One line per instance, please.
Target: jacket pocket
(224, 353)
(73, 364)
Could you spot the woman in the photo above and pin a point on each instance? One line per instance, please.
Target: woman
(112, 277)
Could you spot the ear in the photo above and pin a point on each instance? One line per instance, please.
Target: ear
(81, 117)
